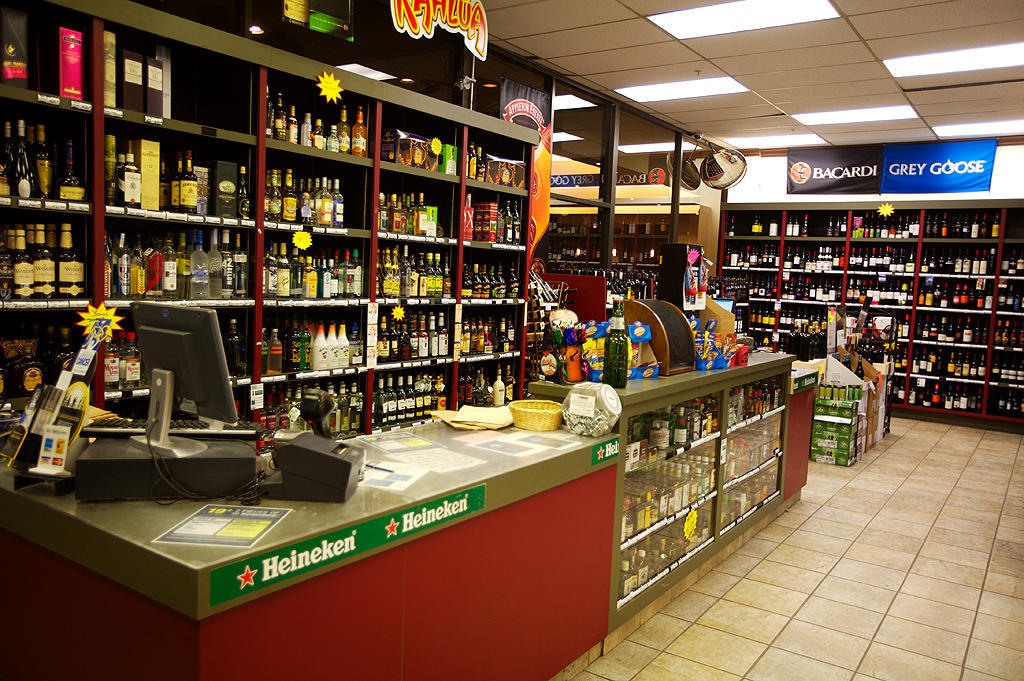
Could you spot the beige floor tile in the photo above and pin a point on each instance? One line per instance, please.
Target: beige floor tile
(1002, 606)
(999, 631)
(974, 675)
(766, 597)
(949, 571)
(717, 648)
(996, 660)
(787, 576)
(803, 558)
(955, 554)
(919, 517)
(738, 564)
(781, 665)
(803, 506)
(950, 520)
(1005, 584)
(890, 540)
(623, 662)
(848, 619)
(1009, 533)
(757, 547)
(922, 639)
(935, 614)
(963, 539)
(715, 583)
(689, 605)
(831, 528)
(743, 620)
(775, 532)
(867, 573)
(855, 593)
(820, 643)
(821, 543)
(898, 526)
(846, 516)
(941, 591)
(658, 631)
(894, 664)
(880, 555)
(668, 667)
(1006, 566)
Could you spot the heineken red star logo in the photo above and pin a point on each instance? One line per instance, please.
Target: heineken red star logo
(392, 528)
(246, 577)
(600, 453)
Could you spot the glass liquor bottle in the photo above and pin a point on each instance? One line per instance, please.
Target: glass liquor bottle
(359, 140)
(242, 194)
(189, 187)
(70, 267)
(200, 283)
(616, 349)
(24, 176)
(70, 187)
(344, 133)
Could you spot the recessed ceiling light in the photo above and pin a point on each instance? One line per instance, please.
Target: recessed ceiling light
(1014, 127)
(565, 137)
(256, 30)
(745, 15)
(407, 79)
(682, 89)
(651, 147)
(973, 59)
(880, 113)
(490, 84)
(775, 141)
(562, 102)
(365, 71)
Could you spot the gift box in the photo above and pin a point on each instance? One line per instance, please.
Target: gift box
(506, 172)
(407, 149)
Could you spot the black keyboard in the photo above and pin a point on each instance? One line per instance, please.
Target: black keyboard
(115, 426)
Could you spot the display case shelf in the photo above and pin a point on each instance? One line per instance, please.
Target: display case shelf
(46, 205)
(174, 125)
(392, 167)
(178, 219)
(322, 154)
(668, 520)
(754, 419)
(43, 99)
(732, 482)
(501, 189)
(746, 514)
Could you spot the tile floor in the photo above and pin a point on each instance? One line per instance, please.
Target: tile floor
(908, 566)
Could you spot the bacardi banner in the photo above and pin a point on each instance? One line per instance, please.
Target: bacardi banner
(942, 167)
(531, 108)
(835, 170)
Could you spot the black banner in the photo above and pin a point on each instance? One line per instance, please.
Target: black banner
(836, 170)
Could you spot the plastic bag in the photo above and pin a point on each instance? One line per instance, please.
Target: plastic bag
(591, 409)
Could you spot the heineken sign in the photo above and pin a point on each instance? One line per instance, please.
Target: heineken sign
(604, 451)
(260, 571)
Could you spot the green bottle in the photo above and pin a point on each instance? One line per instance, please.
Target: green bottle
(616, 348)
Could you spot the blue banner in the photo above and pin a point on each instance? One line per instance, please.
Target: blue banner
(939, 168)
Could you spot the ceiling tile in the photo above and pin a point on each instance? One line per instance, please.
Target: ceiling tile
(514, 49)
(956, 15)
(782, 60)
(647, 7)
(993, 91)
(878, 86)
(879, 136)
(701, 103)
(972, 117)
(943, 80)
(579, 40)
(828, 32)
(878, 126)
(955, 39)
(499, 4)
(671, 52)
(750, 111)
(850, 7)
(552, 15)
(812, 105)
(765, 125)
(814, 76)
(657, 74)
(1012, 107)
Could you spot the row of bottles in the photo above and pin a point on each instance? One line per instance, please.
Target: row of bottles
(945, 395)
(955, 296)
(1007, 367)
(751, 446)
(884, 258)
(1010, 296)
(874, 226)
(34, 267)
(476, 163)
(1009, 332)
(122, 363)
(499, 223)
(151, 267)
(1012, 262)
(762, 314)
(403, 214)
(479, 390)
(310, 201)
(420, 336)
(757, 255)
(811, 259)
(1007, 402)
(33, 355)
(482, 335)
(281, 409)
(958, 261)
(429, 276)
(754, 398)
(871, 290)
(298, 345)
(323, 275)
(284, 125)
(806, 340)
(961, 225)
(816, 288)
(493, 284)
(762, 285)
(652, 555)
(946, 329)
(29, 166)
(948, 362)
(661, 490)
(402, 398)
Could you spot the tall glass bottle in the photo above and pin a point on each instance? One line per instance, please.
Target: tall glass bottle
(616, 348)
(200, 270)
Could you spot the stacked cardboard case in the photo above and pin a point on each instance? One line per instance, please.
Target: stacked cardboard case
(846, 413)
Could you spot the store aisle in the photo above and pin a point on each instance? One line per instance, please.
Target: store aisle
(907, 567)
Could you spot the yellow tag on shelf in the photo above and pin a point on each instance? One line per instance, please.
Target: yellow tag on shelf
(690, 524)
(398, 314)
(330, 87)
(302, 240)
(886, 209)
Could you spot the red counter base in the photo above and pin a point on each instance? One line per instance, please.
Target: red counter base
(516, 594)
(798, 441)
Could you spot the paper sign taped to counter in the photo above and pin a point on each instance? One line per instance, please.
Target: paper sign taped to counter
(221, 525)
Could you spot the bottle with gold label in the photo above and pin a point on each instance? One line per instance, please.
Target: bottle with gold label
(44, 163)
(189, 187)
(70, 187)
(43, 269)
(344, 133)
(24, 278)
(70, 267)
(165, 187)
(359, 141)
(289, 199)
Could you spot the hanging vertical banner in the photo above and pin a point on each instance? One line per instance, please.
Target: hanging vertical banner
(531, 108)
(418, 18)
(938, 167)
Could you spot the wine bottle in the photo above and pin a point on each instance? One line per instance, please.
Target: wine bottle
(24, 175)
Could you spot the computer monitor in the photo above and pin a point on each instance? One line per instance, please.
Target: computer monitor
(182, 350)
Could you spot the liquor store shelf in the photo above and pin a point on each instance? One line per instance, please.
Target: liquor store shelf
(76, 304)
(225, 302)
(44, 99)
(493, 301)
(754, 419)
(1011, 277)
(875, 273)
(54, 205)
(313, 152)
(753, 471)
(811, 271)
(1011, 313)
(664, 572)
(417, 301)
(438, 361)
(487, 245)
(668, 520)
(490, 186)
(392, 236)
(950, 344)
(117, 395)
(808, 302)
(313, 302)
(675, 451)
(939, 275)
(954, 310)
(1004, 384)
(949, 379)
(176, 125)
(273, 226)
(393, 167)
(172, 217)
(311, 374)
(751, 269)
(410, 424)
(749, 512)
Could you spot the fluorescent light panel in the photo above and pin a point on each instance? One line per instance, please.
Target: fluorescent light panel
(651, 147)
(745, 15)
(955, 61)
(1014, 127)
(682, 89)
(365, 71)
(775, 141)
(881, 113)
(564, 137)
(563, 102)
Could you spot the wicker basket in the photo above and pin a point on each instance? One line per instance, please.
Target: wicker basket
(536, 414)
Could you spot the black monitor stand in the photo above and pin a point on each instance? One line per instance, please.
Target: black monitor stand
(161, 402)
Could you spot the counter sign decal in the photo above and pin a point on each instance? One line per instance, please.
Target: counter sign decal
(418, 18)
(273, 567)
(604, 451)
